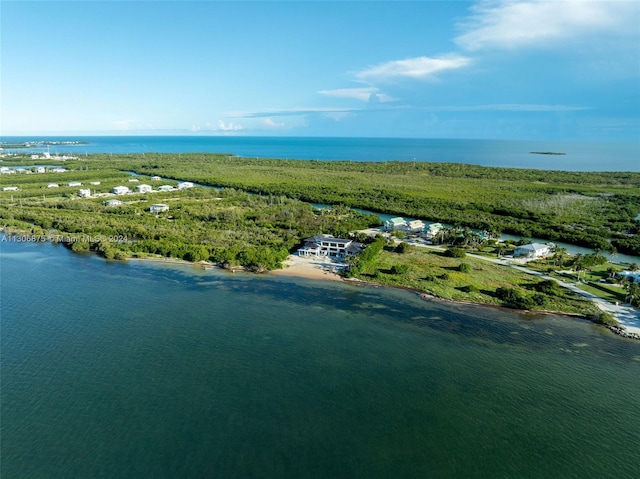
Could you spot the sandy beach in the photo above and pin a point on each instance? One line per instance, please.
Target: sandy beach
(312, 268)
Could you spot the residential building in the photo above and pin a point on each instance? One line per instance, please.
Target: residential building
(414, 226)
(533, 250)
(74, 183)
(95, 183)
(52, 185)
(432, 230)
(185, 184)
(121, 190)
(159, 208)
(156, 178)
(143, 188)
(10, 188)
(166, 188)
(329, 246)
(113, 203)
(84, 193)
(395, 224)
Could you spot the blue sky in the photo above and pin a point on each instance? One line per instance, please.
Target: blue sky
(426, 69)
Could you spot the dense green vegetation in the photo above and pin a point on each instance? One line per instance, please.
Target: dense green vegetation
(584, 208)
(226, 226)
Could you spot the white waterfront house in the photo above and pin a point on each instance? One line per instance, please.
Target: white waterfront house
(143, 188)
(52, 185)
(397, 223)
(10, 188)
(533, 250)
(414, 226)
(185, 184)
(159, 208)
(40, 169)
(432, 230)
(84, 193)
(95, 183)
(156, 178)
(632, 276)
(328, 246)
(134, 180)
(113, 203)
(166, 188)
(121, 190)
(74, 183)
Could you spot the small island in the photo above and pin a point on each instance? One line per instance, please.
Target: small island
(546, 153)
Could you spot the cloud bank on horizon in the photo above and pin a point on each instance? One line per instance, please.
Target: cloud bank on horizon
(565, 69)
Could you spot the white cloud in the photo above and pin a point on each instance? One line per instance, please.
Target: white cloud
(272, 124)
(362, 94)
(505, 24)
(222, 126)
(420, 67)
(298, 111)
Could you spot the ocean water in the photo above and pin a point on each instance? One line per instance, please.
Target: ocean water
(579, 156)
(151, 370)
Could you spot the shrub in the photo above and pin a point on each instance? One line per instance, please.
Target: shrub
(514, 298)
(548, 286)
(399, 268)
(464, 267)
(402, 247)
(455, 253)
(602, 317)
(469, 289)
(444, 276)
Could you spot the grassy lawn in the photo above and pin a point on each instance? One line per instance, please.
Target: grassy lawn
(433, 272)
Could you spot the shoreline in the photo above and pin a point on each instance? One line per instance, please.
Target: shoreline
(327, 270)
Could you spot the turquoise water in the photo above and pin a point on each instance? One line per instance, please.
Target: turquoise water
(146, 370)
(579, 156)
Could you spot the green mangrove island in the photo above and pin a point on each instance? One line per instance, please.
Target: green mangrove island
(253, 213)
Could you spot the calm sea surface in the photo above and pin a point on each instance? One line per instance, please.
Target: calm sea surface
(579, 156)
(146, 370)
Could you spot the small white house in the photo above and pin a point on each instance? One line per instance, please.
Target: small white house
(156, 178)
(58, 170)
(395, 224)
(121, 190)
(533, 250)
(40, 169)
(74, 183)
(113, 203)
(95, 183)
(165, 188)
(414, 226)
(84, 193)
(185, 184)
(432, 230)
(52, 185)
(10, 188)
(4, 169)
(159, 208)
(143, 188)
(134, 180)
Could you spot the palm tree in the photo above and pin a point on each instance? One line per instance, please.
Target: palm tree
(559, 256)
(633, 293)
